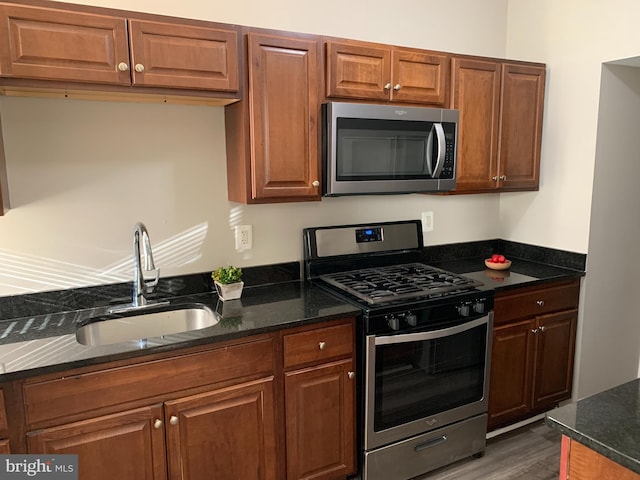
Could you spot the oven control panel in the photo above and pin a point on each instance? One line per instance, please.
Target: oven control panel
(373, 234)
(433, 316)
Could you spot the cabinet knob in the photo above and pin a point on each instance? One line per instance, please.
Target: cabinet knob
(540, 303)
(173, 420)
(542, 328)
(495, 178)
(534, 330)
(157, 424)
(315, 183)
(387, 86)
(123, 67)
(503, 177)
(322, 345)
(351, 375)
(397, 87)
(139, 68)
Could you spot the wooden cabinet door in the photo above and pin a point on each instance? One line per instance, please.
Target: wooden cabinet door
(521, 126)
(223, 434)
(285, 112)
(476, 94)
(48, 44)
(555, 347)
(124, 445)
(419, 77)
(183, 56)
(512, 360)
(359, 71)
(320, 417)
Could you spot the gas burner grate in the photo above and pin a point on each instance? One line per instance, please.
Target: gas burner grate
(396, 282)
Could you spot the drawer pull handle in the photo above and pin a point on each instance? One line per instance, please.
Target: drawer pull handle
(322, 345)
(173, 420)
(351, 375)
(157, 424)
(540, 303)
(430, 443)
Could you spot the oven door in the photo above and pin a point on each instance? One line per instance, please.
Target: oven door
(424, 380)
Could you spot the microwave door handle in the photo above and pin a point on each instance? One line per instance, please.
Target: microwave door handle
(428, 153)
(442, 149)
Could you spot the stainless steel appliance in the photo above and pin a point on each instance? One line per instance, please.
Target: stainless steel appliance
(384, 149)
(424, 346)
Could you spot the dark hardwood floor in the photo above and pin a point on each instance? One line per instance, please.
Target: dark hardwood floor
(530, 453)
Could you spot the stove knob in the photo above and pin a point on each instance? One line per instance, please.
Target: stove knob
(464, 310)
(393, 322)
(478, 307)
(411, 319)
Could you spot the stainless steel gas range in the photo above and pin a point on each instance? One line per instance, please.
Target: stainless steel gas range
(424, 346)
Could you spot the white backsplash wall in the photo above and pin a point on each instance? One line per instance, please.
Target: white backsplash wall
(82, 173)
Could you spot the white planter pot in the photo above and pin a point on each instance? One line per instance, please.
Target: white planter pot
(230, 291)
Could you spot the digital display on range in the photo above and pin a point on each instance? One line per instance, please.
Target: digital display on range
(369, 235)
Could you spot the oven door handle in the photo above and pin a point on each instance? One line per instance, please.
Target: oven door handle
(430, 335)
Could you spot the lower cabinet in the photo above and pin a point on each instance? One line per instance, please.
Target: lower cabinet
(320, 402)
(320, 421)
(227, 433)
(4, 427)
(533, 352)
(107, 446)
(251, 409)
(230, 431)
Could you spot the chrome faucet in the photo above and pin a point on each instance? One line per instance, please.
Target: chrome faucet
(142, 262)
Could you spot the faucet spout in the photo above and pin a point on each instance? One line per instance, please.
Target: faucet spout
(142, 263)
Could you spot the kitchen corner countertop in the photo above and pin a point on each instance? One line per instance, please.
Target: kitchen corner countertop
(46, 343)
(607, 422)
(522, 273)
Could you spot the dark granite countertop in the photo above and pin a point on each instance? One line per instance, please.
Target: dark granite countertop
(37, 331)
(607, 422)
(45, 343)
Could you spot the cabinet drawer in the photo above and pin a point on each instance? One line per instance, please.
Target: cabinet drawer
(73, 395)
(318, 345)
(536, 301)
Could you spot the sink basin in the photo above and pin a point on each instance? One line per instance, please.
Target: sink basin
(145, 323)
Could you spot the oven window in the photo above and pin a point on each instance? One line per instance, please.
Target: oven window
(382, 150)
(420, 379)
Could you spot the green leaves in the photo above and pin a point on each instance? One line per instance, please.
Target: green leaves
(226, 275)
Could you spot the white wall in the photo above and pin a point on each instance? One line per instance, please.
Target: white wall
(81, 173)
(587, 106)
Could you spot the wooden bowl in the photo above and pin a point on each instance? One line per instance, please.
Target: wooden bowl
(497, 266)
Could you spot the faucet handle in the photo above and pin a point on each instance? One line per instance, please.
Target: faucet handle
(149, 285)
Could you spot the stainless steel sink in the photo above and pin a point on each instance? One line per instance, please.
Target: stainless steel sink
(145, 323)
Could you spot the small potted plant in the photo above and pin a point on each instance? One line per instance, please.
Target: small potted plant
(228, 282)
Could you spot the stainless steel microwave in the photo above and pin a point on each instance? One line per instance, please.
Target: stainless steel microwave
(388, 149)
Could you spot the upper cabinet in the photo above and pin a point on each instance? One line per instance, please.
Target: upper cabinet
(39, 43)
(272, 135)
(500, 129)
(368, 71)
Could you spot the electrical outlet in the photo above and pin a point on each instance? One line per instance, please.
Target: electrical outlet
(244, 238)
(427, 221)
